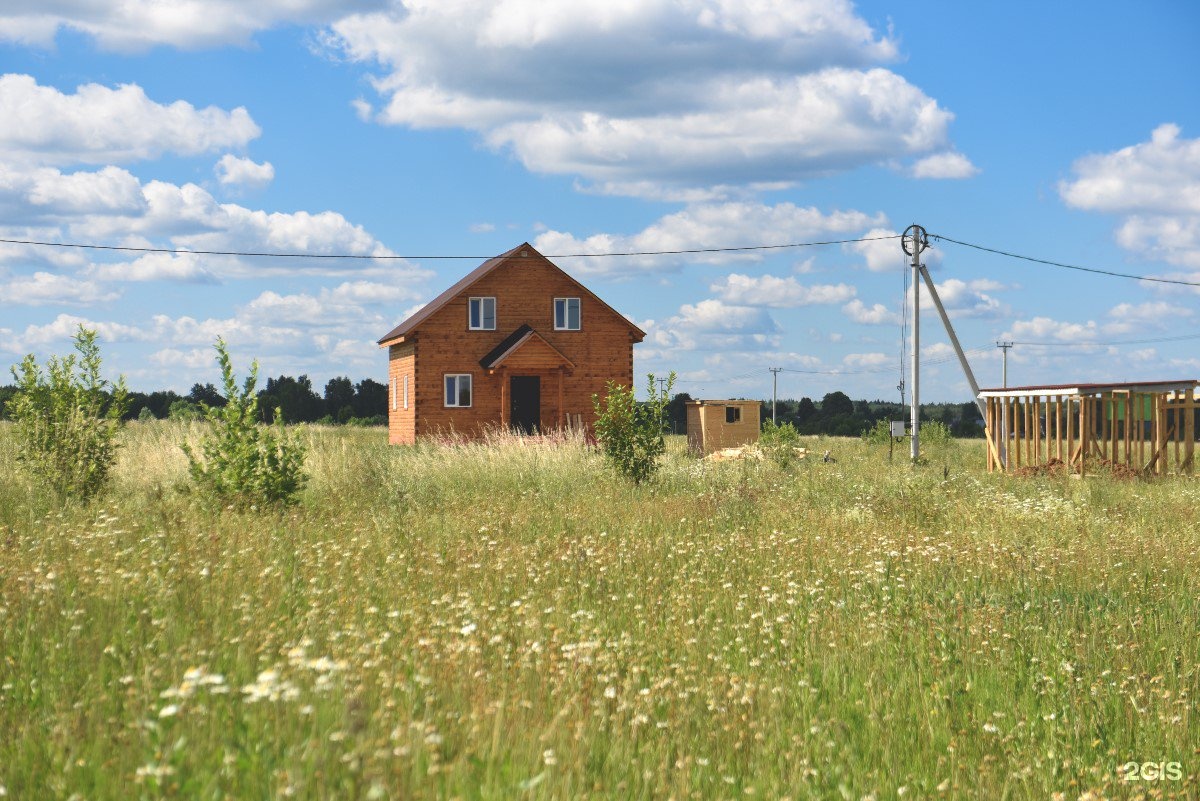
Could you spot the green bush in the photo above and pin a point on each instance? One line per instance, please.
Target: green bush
(67, 419)
(778, 443)
(245, 462)
(878, 434)
(631, 433)
(184, 411)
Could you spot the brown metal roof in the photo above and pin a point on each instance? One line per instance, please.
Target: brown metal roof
(1091, 389)
(524, 249)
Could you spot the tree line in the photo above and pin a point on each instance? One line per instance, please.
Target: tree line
(839, 416)
(342, 402)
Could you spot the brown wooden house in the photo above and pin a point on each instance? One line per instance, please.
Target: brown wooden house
(517, 343)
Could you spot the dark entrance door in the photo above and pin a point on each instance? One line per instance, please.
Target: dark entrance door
(526, 412)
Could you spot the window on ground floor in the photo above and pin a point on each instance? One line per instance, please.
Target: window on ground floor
(458, 390)
(733, 414)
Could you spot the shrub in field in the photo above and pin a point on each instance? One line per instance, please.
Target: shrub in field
(243, 461)
(778, 443)
(67, 419)
(631, 433)
(878, 434)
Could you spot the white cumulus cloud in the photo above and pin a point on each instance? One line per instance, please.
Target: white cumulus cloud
(100, 125)
(658, 98)
(140, 24)
(1154, 187)
(232, 170)
(704, 225)
(944, 165)
(780, 293)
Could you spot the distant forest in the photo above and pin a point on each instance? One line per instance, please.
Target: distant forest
(342, 402)
(365, 403)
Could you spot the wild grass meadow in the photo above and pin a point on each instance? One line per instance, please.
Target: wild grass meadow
(512, 620)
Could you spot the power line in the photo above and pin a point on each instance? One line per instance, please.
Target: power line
(1095, 270)
(1108, 344)
(277, 255)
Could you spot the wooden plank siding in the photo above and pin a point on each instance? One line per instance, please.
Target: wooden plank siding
(524, 287)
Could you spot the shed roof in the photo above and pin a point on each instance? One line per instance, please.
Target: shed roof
(522, 251)
(1089, 389)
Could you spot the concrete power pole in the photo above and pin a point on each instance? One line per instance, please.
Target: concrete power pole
(774, 389)
(914, 241)
(1004, 346)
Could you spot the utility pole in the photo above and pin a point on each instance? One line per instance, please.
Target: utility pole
(1004, 346)
(774, 389)
(914, 241)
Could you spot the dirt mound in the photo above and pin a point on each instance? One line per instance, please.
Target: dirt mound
(1054, 467)
(1057, 467)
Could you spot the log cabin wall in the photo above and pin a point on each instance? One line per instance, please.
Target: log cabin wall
(524, 288)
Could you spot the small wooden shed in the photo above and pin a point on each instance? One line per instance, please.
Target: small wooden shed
(716, 424)
(1149, 426)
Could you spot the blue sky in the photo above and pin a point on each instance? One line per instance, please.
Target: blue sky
(462, 127)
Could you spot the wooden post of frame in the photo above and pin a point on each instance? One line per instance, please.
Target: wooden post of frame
(1084, 423)
(1071, 438)
(1188, 409)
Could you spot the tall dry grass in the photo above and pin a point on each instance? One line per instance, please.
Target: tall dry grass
(508, 619)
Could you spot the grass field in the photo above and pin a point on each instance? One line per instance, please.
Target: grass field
(513, 621)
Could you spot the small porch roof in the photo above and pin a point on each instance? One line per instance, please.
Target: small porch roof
(525, 341)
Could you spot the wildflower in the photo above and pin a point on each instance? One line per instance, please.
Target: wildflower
(548, 757)
(168, 711)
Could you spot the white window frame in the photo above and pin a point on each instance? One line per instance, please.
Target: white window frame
(567, 314)
(482, 317)
(458, 390)
(393, 382)
(406, 392)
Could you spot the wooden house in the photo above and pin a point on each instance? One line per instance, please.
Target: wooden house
(716, 424)
(515, 344)
(1148, 426)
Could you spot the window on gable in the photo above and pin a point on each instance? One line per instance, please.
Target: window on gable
(458, 390)
(733, 414)
(481, 314)
(566, 314)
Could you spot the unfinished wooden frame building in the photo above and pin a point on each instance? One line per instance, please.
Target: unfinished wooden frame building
(1148, 426)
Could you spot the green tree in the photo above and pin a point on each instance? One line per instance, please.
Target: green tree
(67, 419)
(631, 433)
(370, 399)
(241, 460)
(339, 396)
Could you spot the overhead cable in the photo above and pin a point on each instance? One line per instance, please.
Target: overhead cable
(1097, 271)
(277, 255)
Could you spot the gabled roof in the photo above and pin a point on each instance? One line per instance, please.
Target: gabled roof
(514, 342)
(522, 251)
